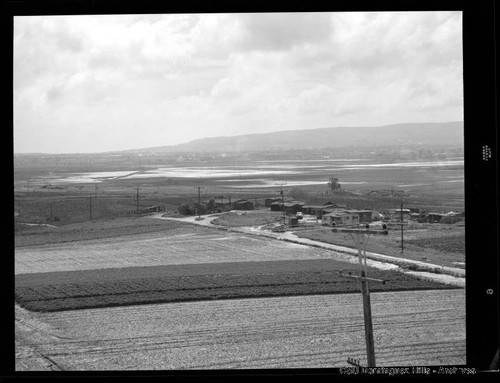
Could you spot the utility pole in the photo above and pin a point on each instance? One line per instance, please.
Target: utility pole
(137, 199)
(282, 200)
(199, 201)
(402, 246)
(90, 206)
(360, 237)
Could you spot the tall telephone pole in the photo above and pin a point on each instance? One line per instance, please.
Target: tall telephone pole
(90, 207)
(360, 237)
(402, 246)
(282, 200)
(137, 199)
(199, 201)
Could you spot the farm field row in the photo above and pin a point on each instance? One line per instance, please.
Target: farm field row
(74, 290)
(189, 245)
(410, 328)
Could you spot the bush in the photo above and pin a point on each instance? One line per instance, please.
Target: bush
(186, 209)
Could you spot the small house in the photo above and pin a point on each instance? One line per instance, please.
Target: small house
(292, 208)
(269, 201)
(365, 216)
(340, 218)
(317, 210)
(243, 204)
(434, 217)
(221, 204)
(396, 214)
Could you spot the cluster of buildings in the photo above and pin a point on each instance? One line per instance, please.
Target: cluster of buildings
(329, 213)
(218, 205)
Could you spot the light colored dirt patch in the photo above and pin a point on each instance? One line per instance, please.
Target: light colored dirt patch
(411, 328)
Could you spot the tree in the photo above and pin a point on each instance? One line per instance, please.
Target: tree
(334, 184)
(186, 209)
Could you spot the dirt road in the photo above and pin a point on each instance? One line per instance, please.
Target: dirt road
(411, 328)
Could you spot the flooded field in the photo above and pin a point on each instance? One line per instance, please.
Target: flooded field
(353, 174)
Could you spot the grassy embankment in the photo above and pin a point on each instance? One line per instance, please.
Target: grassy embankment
(72, 290)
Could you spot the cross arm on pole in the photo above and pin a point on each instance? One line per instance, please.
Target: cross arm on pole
(349, 275)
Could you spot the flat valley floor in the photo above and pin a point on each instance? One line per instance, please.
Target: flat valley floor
(411, 328)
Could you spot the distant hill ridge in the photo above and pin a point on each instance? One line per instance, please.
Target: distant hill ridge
(451, 133)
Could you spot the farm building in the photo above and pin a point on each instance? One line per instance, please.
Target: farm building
(452, 217)
(396, 214)
(318, 210)
(243, 204)
(219, 204)
(292, 208)
(276, 206)
(340, 218)
(434, 217)
(365, 216)
(269, 201)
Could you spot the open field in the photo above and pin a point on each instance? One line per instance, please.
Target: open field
(412, 328)
(188, 245)
(442, 245)
(73, 290)
(94, 230)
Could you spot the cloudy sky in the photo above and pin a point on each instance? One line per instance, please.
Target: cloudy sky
(102, 83)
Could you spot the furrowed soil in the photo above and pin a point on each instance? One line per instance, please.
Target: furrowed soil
(411, 328)
(73, 290)
(180, 245)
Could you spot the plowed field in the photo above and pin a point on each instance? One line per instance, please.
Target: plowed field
(410, 328)
(194, 245)
(73, 290)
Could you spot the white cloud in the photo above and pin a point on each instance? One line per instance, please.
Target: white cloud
(96, 83)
